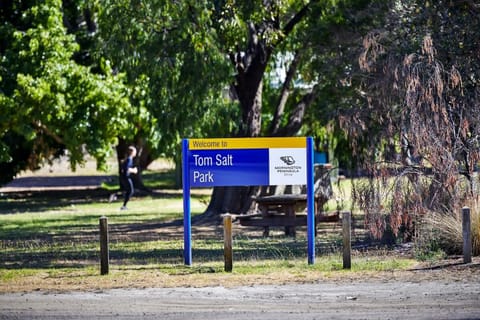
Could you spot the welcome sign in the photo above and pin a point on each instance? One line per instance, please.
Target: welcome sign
(247, 161)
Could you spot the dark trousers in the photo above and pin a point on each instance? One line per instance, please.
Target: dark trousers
(128, 185)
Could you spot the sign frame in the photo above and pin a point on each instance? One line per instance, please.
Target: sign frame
(200, 150)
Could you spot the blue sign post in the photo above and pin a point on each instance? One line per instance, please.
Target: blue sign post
(310, 203)
(247, 162)
(187, 219)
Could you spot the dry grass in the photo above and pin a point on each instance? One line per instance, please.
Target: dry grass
(444, 232)
(245, 273)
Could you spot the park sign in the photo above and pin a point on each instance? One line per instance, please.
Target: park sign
(247, 162)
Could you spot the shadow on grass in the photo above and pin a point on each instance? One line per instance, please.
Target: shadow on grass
(51, 192)
(211, 251)
(45, 200)
(454, 263)
(259, 249)
(84, 229)
(78, 245)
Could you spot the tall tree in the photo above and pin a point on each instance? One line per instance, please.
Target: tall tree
(233, 45)
(177, 74)
(253, 34)
(263, 38)
(423, 102)
(50, 103)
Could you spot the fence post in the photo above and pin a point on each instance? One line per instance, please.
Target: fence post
(467, 235)
(346, 226)
(104, 254)
(227, 247)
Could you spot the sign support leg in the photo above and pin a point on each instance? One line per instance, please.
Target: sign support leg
(310, 203)
(187, 218)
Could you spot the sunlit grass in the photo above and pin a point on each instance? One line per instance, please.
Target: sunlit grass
(342, 190)
(69, 219)
(164, 179)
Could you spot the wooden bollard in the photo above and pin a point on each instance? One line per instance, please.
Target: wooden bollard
(104, 254)
(467, 235)
(227, 247)
(347, 245)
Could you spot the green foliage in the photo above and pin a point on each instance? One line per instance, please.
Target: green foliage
(157, 71)
(328, 42)
(50, 102)
(171, 45)
(333, 64)
(169, 53)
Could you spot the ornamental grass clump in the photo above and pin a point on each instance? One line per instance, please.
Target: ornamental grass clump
(443, 232)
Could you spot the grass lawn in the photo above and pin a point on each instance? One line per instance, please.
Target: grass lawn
(49, 241)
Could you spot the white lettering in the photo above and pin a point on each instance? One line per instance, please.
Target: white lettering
(223, 161)
(202, 161)
(202, 177)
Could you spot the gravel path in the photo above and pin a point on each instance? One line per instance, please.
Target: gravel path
(355, 300)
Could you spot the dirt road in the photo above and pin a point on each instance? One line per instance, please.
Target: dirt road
(357, 300)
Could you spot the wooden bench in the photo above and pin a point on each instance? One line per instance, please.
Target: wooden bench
(288, 210)
(281, 211)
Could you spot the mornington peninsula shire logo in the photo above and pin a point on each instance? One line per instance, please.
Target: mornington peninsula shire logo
(288, 160)
(289, 169)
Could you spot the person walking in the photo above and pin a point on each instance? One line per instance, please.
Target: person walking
(126, 172)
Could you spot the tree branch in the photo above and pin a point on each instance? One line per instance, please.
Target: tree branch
(470, 3)
(41, 127)
(296, 118)
(284, 94)
(90, 20)
(295, 20)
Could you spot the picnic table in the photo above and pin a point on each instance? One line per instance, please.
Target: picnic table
(288, 210)
(283, 211)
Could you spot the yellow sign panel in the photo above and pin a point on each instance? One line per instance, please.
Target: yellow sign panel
(247, 143)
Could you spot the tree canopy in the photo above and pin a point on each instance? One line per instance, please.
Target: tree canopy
(237, 49)
(423, 105)
(171, 60)
(50, 103)
(176, 69)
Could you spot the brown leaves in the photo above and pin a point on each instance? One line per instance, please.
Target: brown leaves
(421, 85)
(428, 49)
(455, 78)
(372, 49)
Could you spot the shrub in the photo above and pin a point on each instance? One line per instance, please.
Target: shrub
(444, 232)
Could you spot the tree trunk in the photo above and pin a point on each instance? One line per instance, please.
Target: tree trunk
(239, 199)
(178, 171)
(250, 66)
(231, 199)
